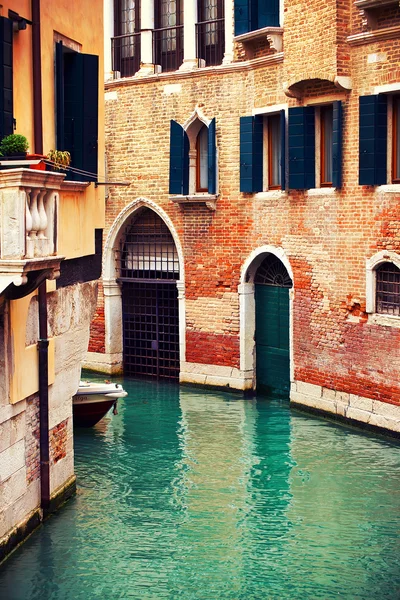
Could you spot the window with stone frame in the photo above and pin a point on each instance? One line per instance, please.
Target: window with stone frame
(395, 139)
(168, 34)
(126, 40)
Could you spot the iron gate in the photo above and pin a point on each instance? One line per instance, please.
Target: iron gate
(149, 267)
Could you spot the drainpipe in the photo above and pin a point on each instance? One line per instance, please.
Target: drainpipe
(43, 346)
(37, 79)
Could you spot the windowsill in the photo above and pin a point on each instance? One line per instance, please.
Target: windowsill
(272, 34)
(322, 191)
(270, 194)
(390, 188)
(210, 200)
(385, 320)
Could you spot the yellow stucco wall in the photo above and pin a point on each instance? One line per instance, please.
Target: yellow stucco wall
(25, 359)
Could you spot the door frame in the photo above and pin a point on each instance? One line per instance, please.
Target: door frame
(247, 308)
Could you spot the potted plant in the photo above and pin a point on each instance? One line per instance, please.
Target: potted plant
(13, 147)
(61, 159)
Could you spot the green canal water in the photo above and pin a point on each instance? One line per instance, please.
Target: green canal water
(199, 495)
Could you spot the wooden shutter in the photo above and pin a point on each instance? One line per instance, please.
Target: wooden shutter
(60, 116)
(81, 77)
(178, 160)
(6, 77)
(268, 13)
(251, 154)
(373, 140)
(283, 148)
(242, 17)
(337, 144)
(301, 148)
(212, 159)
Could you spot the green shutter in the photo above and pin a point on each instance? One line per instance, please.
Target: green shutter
(301, 148)
(81, 77)
(283, 148)
(6, 77)
(242, 17)
(268, 13)
(212, 159)
(251, 154)
(337, 144)
(178, 160)
(373, 140)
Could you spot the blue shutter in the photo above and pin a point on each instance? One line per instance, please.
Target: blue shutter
(283, 149)
(178, 160)
(301, 148)
(373, 140)
(212, 159)
(258, 153)
(60, 96)
(251, 172)
(268, 13)
(242, 16)
(337, 144)
(81, 90)
(6, 77)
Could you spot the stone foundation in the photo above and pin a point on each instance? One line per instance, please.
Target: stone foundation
(349, 407)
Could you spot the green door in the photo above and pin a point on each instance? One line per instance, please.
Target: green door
(272, 339)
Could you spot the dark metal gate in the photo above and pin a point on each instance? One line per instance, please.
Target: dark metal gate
(149, 268)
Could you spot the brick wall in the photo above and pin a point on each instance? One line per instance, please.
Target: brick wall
(326, 237)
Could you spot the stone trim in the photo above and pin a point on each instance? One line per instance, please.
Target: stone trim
(248, 65)
(370, 287)
(216, 376)
(350, 407)
(110, 364)
(369, 37)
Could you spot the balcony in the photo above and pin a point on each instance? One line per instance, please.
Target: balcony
(168, 47)
(31, 205)
(210, 41)
(125, 51)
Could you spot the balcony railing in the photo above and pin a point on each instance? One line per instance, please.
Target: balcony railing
(125, 51)
(210, 41)
(168, 47)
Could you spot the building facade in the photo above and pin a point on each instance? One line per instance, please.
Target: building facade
(50, 247)
(258, 243)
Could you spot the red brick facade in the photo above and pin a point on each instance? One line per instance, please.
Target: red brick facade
(326, 235)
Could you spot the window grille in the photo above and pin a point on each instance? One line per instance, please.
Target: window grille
(168, 34)
(388, 289)
(125, 45)
(210, 32)
(273, 272)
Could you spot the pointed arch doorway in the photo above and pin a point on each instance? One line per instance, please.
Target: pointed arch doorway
(272, 284)
(148, 267)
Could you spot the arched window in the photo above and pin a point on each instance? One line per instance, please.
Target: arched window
(387, 300)
(202, 160)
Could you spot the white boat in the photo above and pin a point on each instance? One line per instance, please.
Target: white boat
(93, 400)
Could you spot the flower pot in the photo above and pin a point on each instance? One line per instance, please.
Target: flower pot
(39, 166)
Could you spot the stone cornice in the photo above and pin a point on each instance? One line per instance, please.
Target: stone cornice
(30, 178)
(369, 37)
(248, 65)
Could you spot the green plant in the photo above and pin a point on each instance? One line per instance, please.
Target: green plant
(59, 158)
(13, 144)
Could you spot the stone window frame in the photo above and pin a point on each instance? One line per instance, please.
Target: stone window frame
(384, 256)
(193, 126)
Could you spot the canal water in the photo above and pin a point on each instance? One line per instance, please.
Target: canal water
(201, 495)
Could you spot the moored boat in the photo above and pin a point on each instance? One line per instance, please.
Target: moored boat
(93, 400)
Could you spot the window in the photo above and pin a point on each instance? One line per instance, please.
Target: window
(77, 89)
(252, 14)
(6, 77)
(210, 31)
(315, 146)
(192, 159)
(126, 43)
(168, 35)
(388, 289)
(262, 152)
(373, 139)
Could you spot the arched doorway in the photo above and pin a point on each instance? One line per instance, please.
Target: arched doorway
(148, 267)
(272, 328)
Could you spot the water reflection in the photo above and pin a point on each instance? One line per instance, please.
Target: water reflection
(189, 493)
